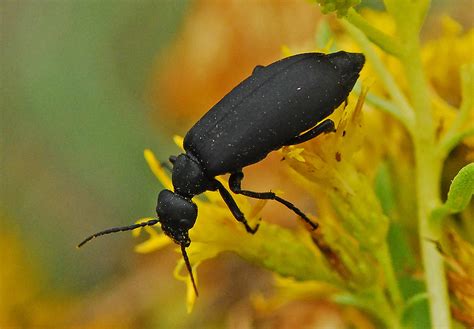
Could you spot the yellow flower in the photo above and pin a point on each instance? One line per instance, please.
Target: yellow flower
(339, 6)
(352, 221)
(443, 56)
(459, 258)
(338, 255)
(348, 256)
(278, 249)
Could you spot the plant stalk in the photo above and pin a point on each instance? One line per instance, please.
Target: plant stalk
(385, 259)
(428, 172)
(427, 197)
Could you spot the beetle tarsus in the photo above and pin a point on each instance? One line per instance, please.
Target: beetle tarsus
(234, 208)
(291, 206)
(250, 229)
(235, 186)
(327, 126)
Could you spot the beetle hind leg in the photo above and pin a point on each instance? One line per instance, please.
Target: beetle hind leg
(326, 126)
(232, 205)
(235, 186)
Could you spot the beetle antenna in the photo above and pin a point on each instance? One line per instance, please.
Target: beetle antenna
(118, 229)
(188, 266)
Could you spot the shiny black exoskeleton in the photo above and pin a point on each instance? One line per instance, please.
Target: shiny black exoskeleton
(284, 103)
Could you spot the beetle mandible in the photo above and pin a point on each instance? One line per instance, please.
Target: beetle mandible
(281, 104)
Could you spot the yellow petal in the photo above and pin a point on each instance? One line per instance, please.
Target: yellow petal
(178, 140)
(256, 209)
(285, 50)
(190, 293)
(157, 169)
(137, 231)
(157, 242)
(295, 153)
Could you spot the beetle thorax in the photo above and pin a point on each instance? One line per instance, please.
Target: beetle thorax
(188, 177)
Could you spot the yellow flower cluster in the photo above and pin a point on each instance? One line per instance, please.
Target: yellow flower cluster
(348, 257)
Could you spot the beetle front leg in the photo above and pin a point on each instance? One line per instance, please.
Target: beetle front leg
(326, 126)
(166, 165)
(232, 205)
(235, 186)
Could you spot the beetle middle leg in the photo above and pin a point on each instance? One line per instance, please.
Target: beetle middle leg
(235, 186)
(326, 126)
(232, 205)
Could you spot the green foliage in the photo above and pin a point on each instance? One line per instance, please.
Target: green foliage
(338, 6)
(459, 195)
(375, 244)
(414, 111)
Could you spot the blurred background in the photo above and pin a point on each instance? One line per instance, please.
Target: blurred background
(86, 87)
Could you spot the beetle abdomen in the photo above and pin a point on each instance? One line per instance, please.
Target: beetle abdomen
(269, 108)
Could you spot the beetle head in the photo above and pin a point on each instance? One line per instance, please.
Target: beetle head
(177, 216)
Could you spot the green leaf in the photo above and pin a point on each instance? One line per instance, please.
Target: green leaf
(415, 313)
(415, 300)
(459, 195)
(372, 302)
(384, 189)
(340, 7)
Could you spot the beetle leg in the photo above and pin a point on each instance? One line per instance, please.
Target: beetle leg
(326, 126)
(235, 186)
(166, 165)
(257, 69)
(230, 202)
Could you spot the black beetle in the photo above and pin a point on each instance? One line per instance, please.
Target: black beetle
(279, 104)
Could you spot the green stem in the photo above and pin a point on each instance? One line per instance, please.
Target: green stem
(455, 134)
(428, 196)
(381, 103)
(428, 172)
(381, 39)
(393, 320)
(409, 16)
(418, 118)
(404, 112)
(385, 259)
(452, 140)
